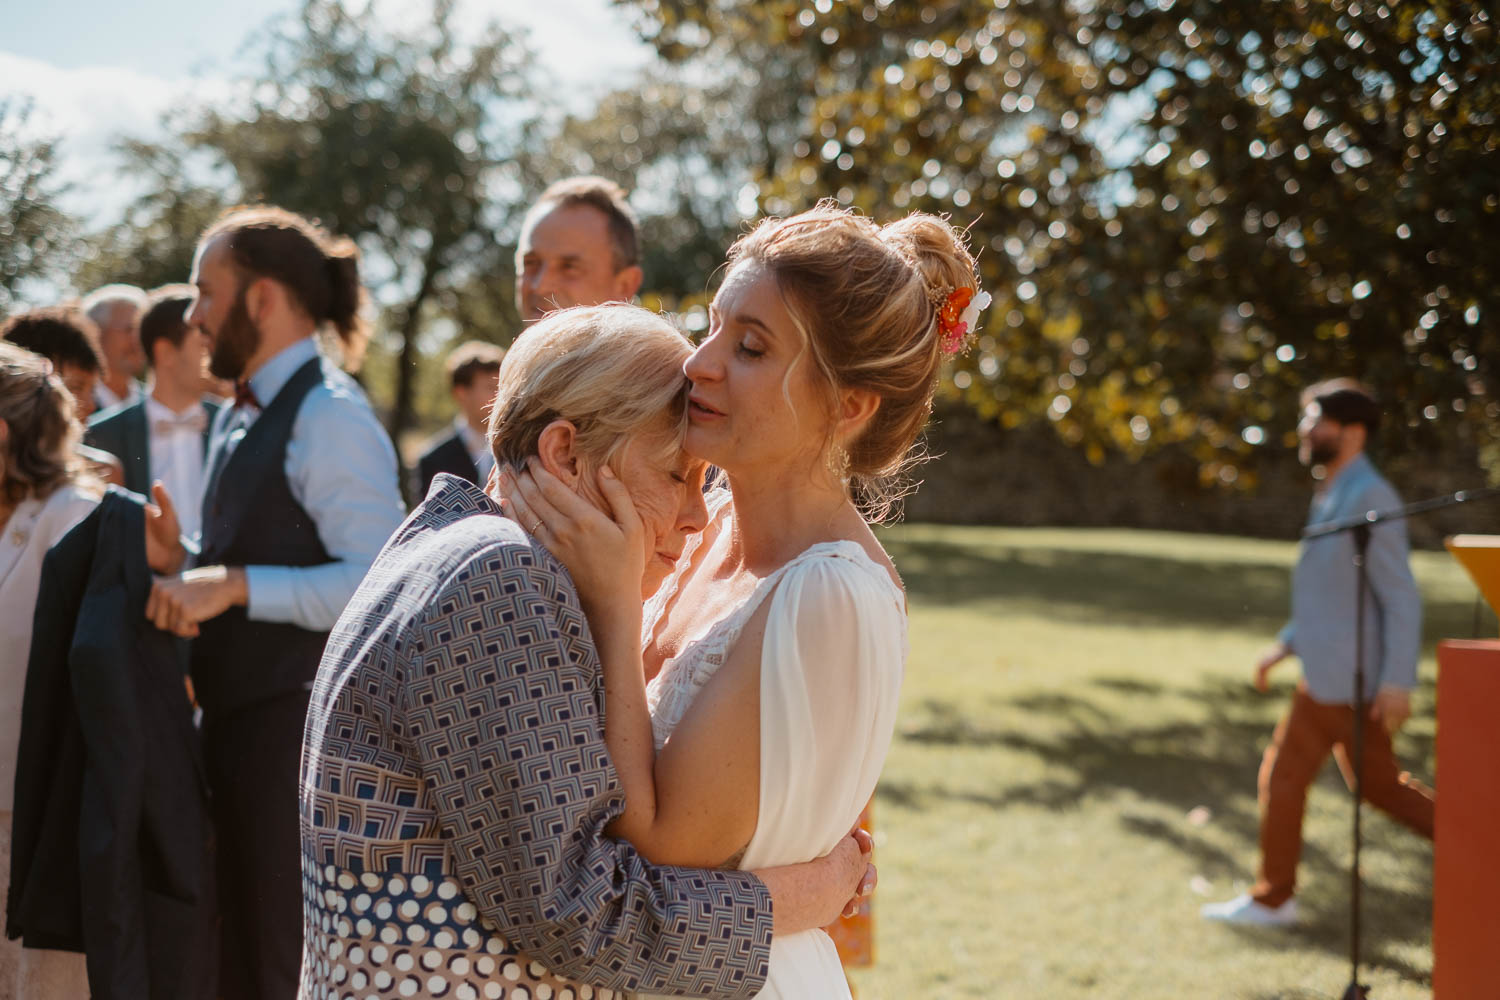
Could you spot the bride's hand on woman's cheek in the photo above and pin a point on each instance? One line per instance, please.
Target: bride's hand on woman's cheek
(604, 550)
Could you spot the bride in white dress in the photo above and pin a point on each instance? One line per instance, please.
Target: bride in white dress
(750, 706)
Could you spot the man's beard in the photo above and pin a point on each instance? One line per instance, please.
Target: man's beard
(235, 342)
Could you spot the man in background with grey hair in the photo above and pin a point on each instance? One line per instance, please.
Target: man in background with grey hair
(116, 310)
(580, 246)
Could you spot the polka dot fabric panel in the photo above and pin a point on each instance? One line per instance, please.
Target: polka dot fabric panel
(412, 936)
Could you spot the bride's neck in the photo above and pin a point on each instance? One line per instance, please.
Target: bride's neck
(776, 517)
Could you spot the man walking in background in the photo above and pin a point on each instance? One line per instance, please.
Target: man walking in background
(1339, 418)
(474, 377)
(116, 310)
(165, 436)
(580, 246)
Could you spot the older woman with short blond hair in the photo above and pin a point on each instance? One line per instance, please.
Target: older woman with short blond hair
(456, 785)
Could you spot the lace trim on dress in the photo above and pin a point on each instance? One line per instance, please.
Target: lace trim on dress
(656, 606)
(673, 689)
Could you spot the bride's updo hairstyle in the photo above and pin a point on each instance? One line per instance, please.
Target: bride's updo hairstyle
(865, 300)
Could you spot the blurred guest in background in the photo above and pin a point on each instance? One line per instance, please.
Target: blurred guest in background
(45, 489)
(473, 376)
(116, 310)
(302, 493)
(165, 435)
(580, 246)
(68, 339)
(1339, 418)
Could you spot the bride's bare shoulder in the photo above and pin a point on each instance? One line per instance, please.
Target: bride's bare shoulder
(861, 535)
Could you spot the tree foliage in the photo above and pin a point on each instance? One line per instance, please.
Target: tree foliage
(1187, 211)
(694, 148)
(677, 147)
(401, 140)
(153, 243)
(419, 144)
(37, 237)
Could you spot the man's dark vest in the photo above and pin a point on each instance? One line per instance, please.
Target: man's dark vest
(251, 518)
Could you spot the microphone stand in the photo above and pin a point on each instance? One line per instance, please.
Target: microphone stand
(1359, 528)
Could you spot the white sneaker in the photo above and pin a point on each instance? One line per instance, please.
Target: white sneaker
(1244, 910)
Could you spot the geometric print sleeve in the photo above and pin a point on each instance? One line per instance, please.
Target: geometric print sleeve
(501, 706)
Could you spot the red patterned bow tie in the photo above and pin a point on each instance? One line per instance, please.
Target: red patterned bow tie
(244, 395)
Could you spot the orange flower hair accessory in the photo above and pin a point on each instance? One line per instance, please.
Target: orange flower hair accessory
(957, 311)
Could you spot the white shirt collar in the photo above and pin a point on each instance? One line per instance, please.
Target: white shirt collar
(157, 410)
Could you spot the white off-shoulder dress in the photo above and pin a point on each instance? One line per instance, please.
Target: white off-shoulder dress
(831, 667)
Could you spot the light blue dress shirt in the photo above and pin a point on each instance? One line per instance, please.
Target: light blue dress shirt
(1321, 631)
(341, 467)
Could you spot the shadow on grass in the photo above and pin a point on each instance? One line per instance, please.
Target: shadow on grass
(1095, 743)
(1130, 685)
(1107, 587)
(1092, 749)
(1183, 764)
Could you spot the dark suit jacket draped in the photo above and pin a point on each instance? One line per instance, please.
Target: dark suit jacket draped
(109, 852)
(123, 432)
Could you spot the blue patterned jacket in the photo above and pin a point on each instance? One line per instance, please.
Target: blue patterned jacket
(455, 790)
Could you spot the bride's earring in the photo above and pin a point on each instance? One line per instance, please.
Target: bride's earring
(838, 462)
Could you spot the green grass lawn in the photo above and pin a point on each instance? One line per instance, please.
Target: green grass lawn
(1074, 775)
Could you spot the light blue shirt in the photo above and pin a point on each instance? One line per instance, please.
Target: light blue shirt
(342, 469)
(1321, 631)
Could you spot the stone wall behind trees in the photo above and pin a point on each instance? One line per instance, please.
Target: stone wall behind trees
(982, 473)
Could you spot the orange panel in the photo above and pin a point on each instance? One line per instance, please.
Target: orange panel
(1466, 852)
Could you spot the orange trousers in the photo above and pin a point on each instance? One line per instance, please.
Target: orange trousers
(1301, 744)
